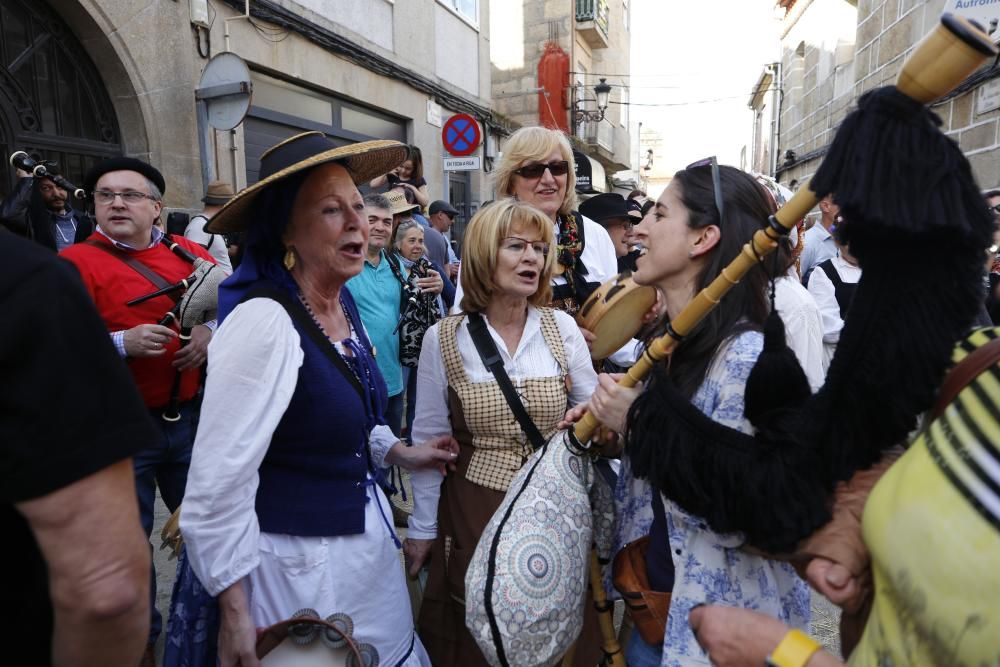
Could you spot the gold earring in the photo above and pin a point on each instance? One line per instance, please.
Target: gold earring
(289, 260)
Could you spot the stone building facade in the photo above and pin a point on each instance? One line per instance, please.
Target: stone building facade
(833, 51)
(83, 79)
(594, 35)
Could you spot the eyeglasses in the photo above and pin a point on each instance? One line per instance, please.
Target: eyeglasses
(107, 197)
(557, 168)
(518, 245)
(716, 183)
(994, 209)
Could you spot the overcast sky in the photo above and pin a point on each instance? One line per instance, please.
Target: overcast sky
(697, 51)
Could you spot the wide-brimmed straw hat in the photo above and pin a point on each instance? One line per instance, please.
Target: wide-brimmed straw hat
(398, 203)
(365, 161)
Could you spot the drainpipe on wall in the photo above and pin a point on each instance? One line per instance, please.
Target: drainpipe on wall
(774, 69)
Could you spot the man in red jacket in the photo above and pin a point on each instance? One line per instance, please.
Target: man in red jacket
(123, 259)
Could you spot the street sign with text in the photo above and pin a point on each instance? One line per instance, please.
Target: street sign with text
(981, 11)
(468, 163)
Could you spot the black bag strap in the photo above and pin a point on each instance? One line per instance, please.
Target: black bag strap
(149, 274)
(211, 235)
(398, 272)
(299, 315)
(842, 292)
(490, 355)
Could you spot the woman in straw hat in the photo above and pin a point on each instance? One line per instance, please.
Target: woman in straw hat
(282, 512)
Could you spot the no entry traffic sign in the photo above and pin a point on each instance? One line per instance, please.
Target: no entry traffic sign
(460, 135)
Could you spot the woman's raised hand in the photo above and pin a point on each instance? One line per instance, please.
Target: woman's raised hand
(438, 453)
(433, 283)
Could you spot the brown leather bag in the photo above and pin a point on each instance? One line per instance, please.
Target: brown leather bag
(648, 608)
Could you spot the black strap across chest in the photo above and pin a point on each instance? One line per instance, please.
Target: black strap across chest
(844, 292)
(149, 274)
(211, 236)
(490, 355)
(300, 316)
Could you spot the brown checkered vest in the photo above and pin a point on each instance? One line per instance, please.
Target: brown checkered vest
(500, 445)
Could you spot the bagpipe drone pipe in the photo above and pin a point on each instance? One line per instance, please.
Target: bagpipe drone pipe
(199, 304)
(915, 219)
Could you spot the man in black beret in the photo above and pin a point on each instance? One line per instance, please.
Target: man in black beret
(125, 258)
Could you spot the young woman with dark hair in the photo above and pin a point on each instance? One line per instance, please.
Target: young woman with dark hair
(699, 224)
(409, 176)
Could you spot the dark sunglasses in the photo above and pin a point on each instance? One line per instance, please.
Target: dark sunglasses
(716, 183)
(994, 209)
(557, 168)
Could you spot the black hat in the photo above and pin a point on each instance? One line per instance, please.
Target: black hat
(441, 205)
(123, 164)
(606, 208)
(584, 174)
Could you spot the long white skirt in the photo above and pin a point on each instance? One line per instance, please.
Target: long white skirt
(359, 575)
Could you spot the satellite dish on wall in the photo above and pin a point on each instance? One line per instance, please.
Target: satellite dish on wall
(226, 89)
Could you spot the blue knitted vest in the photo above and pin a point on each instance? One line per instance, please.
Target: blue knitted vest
(313, 477)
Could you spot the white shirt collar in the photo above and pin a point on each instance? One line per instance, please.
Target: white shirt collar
(155, 237)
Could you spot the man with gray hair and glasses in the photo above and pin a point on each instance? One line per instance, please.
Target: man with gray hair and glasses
(129, 257)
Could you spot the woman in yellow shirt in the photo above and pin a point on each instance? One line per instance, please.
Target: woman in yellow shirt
(932, 528)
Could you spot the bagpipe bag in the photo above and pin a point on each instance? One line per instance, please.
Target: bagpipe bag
(527, 579)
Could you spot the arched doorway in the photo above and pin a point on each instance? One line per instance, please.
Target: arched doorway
(53, 103)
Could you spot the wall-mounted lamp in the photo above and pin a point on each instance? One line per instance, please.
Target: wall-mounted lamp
(602, 91)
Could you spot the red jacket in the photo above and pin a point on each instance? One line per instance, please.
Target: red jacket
(111, 283)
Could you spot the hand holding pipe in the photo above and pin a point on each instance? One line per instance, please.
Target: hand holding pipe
(201, 267)
(949, 54)
(23, 161)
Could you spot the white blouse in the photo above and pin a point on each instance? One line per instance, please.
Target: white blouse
(531, 359)
(803, 326)
(253, 365)
(824, 292)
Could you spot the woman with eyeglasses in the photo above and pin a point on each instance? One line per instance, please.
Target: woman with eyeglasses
(698, 225)
(507, 263)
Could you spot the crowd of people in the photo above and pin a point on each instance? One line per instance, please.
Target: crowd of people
(346, 340)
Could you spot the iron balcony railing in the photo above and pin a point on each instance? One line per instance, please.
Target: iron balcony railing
(593, 10)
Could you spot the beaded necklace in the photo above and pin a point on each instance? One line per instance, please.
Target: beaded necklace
(352, 361)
